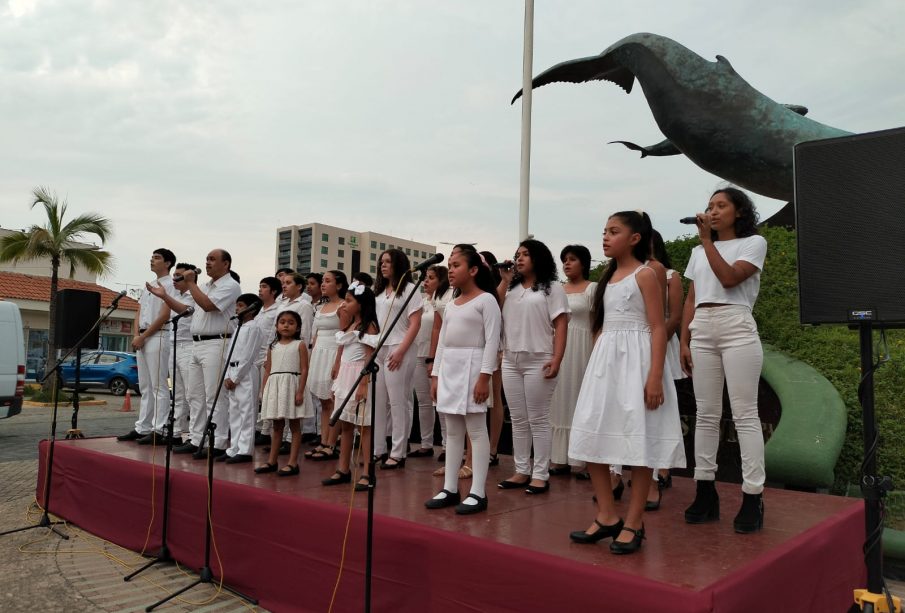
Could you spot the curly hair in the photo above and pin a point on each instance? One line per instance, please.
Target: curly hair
(543, 264)
(746, 222)
(400, 275)
(582, 254)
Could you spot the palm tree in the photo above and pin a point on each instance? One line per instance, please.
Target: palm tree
(59, 240)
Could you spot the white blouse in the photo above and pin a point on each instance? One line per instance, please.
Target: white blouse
(388, 305)
(528, 318)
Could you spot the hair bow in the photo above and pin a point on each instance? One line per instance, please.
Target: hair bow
(357, 288)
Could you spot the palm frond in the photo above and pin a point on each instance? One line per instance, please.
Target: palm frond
(24, 246)
(88, 223)
(55, 209)
(95, 261)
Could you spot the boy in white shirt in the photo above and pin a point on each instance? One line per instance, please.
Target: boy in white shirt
(241, 384)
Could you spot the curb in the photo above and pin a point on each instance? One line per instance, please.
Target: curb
(45, 405)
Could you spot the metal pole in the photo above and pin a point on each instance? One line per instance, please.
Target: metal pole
(527, 70)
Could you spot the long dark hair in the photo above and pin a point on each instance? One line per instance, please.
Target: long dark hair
(746, 222)
(582, 254)
(400, 263)
(492, 262)
(442, 274)
(298, 326)
(658, 249)
(368, 314)
(543, 263)
(342, 283)
(484, 278)
(637, 224)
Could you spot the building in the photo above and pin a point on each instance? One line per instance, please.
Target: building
(317, 247)
(32, 294)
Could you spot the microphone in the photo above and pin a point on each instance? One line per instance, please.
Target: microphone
(254, 307)
(434, 259)
(503, 265)
(186, 313)
(117, 299)
(177, 277)
(691, 221)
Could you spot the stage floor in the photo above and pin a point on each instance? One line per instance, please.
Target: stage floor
(810, 542)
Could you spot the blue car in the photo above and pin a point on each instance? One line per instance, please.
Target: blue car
(113, 370)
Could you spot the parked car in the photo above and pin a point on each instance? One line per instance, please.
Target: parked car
(12, 360)
(114, 370)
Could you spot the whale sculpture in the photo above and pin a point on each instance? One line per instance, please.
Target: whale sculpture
(706, 111)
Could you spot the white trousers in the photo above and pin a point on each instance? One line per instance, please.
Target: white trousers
(181, 387)
(725, 347)
(243, 408)
(476, 425)
(394, 402)
(208, 360)
(528, 394)
(153, 366)
(422, 385)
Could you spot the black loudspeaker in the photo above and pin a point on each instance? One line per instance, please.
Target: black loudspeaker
(77, 310)
(850, 219)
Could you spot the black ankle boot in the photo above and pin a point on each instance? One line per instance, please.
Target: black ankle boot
(750, 517)
(706, 505)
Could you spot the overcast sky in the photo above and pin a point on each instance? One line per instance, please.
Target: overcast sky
(196, 125)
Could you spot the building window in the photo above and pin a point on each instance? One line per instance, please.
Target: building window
(373, 257)
(373, 244)
(340, 266)
(342, 240)
(391, 246)
(340, 253)
(373, 269)
(408, 251)
(324, 250)
(324, 264)
(325, 237)
(424, 254)
(383, 246)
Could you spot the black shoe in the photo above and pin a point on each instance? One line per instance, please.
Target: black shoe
(239, 458)
(470, 509)
(750, 517)
(450, 499)
(383, 457)
(706, 505)
(664, 482)
(152, 438)
(261, 439)
(583, 475)
(602, 532)
(494, 459)
(422, 452)
(399, 463)
(442, 456)
(560, 470)
(538, 489)
(652, 505)
(201, 454)
(512, 485)
(288, 471)
(131, 436)
(284, 448)
(363, 487)
(632, 546)
(266, 468)
(221, 458)
(337, 478)
(187, 447)
(617, 491)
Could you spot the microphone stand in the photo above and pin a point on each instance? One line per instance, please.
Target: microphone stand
(371, 368)
(164, 554)
(206, 575)
(45, 521)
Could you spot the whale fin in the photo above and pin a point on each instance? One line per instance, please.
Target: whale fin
(663, 148)
(594, 68)
(797, 108)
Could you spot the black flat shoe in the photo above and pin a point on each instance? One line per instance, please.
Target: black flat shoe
(221, 458)
(560, 470)
(533, 490)
(582, 475)
(617, 491)
(267, 468)
(602, 532)
(131, 435)
(449, 499)
(494, 459)
(239, 458)
(632, 546)
(470, 509)
(185, 448)
(151, 439)
(288, 471)
(338, 478)
(423, 452)
(652, 505)
(399, 463)
(201, 454)
(512, 485)
(441, 457)
(664, 483)
(363, 487)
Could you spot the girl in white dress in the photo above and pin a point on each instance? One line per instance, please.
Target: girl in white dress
(460, 381)
(328, 320)
(576, 265)
(620, 417)
(285, 373)
(356, 343)
(435, 285)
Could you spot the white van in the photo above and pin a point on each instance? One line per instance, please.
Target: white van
(12, 360)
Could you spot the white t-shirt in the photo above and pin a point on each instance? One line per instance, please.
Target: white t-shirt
(707, 288)
(528, 318)
(387, 308)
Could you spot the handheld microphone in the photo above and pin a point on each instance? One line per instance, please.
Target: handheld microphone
(434, 259)
(177, 277)
(691, 221)
(504, 265)
(186, 313)
(117, 299)
(252, 308)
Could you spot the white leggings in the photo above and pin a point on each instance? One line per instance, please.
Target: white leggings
(528, 394)
(425, 404)
(476, 424)
(394, 397)
(725, 346)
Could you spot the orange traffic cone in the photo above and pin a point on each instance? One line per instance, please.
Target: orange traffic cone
(127, 403)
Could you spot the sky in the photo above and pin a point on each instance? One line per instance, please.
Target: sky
(204, 124)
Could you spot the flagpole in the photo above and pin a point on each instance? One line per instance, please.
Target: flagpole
(527, 70)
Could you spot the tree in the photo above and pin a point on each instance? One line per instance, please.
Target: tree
(60, 241)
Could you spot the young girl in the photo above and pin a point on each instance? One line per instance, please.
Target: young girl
(576, 265)
(720, 342)
(356, 342)
(619, 415)
(535, 320)
(460, 381)
(397, 357)
(285, 373)
(328, 319)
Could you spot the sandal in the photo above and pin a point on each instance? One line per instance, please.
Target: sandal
(320, 448)
(325, 453)
(288, 471)
(465, 472)
(266, 468)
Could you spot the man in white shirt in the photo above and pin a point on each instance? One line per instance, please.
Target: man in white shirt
(152, 349)
(212, 329)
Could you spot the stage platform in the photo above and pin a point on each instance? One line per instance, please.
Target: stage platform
(281, 539)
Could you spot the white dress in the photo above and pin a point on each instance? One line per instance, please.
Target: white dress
(323, 356)
(278, 400)
(351, 364)
(571, 371)
(611, 423)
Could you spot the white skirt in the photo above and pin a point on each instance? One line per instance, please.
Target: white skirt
(456, 379)
(672, 358)
(358, 413)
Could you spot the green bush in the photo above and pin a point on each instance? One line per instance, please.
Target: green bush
(834, 352)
